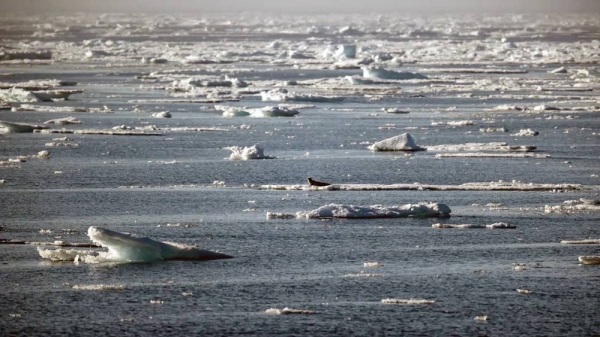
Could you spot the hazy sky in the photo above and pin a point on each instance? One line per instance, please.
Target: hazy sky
(301, 6)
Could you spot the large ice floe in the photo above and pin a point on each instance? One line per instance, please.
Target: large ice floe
(420, 210)
(403, 142)
(124, 247)
(247, 153)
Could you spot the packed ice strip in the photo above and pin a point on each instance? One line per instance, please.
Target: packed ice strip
(420, 210)
(473, 186)
(124, 247)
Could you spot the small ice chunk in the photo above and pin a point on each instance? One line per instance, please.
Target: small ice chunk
(561, 70)
(163, 114)
(481, 318)
(247, 153)
(17, 95)
(526, 133)
(524, 291)
(372, 264)
(403, 142)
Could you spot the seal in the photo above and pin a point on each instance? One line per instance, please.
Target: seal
(312, 182)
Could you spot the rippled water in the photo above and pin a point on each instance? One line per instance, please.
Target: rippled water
(131, 184)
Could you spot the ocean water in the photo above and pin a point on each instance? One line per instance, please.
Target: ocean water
(139, 184)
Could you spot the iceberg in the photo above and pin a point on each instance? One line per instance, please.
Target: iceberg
(384, 74)
(420, 210)
(403, 142)
(124, 247)
(247, 153)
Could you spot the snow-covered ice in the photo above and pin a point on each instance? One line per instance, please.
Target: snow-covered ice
(247, 153)
(420, 210)
(403, 142)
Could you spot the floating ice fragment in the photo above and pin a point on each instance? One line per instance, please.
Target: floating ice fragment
(16, 95)
(384, 74)
(424, 210)
(581, 242)
(561, 70)
(526, 133)
(403, 142)
(498, 225)
(289, 311)
(372, 264)
(102, 287)
(394, 110)
(282, 95)
(481, 318)
(363, 274)
(124, 247)
(406, 301)
(490, 130)
(9, 127)
(63, 121)
(589, 260)
(524, 291)
(163, 114)
(247, 153)
(274, 215)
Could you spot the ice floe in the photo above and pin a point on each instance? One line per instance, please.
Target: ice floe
(590, 260)
(265, 112)
(581, 242)
(63, 121)
(68, 109)
(384, 74)
(574, 206)
(101, 287)
(525, 133)
(247, 153)
(420, 210)
(289, 311)
(282, 95)
(494, 146)
(498, 225)
(403, 142)
(473, 186)
(406, 301)
(275, 215)
(9, 127)
(123, 247)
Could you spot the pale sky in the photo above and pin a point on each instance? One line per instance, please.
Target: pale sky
(299, 6)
